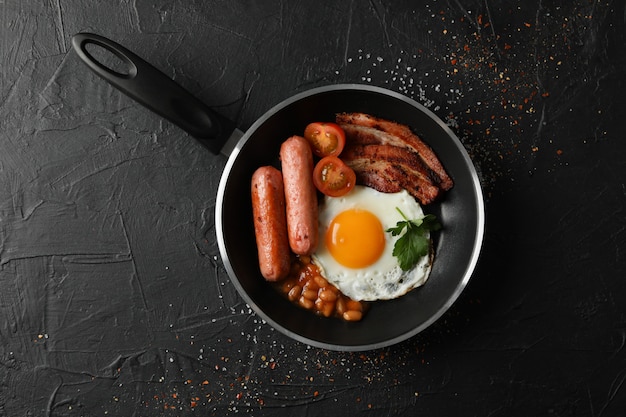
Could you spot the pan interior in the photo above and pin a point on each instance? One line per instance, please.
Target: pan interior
(387, 322)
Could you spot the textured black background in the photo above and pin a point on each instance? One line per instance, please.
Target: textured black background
(113, 298)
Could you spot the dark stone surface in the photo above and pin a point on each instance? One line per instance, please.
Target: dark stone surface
(113, 297)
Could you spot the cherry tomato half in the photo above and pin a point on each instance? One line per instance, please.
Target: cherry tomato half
(333, 177)
(326, 139)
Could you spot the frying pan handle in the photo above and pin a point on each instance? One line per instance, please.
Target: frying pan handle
(156, 91)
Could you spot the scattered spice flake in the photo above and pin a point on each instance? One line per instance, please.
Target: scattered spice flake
(559, 152)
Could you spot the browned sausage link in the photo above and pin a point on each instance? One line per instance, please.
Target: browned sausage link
(270, 223)
(300, 195)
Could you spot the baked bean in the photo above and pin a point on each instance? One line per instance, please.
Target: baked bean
(306, 303)
(354, 305)
(294, 293)
(311, 286)
(327, 295)
(352, 315)
(326, 309)
(321, 281)
(340, 306)
(310, 290)
(310, 295)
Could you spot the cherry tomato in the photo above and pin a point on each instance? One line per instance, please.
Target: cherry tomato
(333, 177)
(326, 139)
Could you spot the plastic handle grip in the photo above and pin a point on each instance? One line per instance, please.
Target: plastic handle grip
(156, 91)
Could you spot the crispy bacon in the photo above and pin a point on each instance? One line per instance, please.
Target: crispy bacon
(390, 169)
(364, 129)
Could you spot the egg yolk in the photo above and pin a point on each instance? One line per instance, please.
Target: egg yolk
(355, 238)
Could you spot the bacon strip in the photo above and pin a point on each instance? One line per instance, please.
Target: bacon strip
(390, 169)
(365, 129)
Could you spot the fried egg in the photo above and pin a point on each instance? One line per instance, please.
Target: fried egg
(355, 251)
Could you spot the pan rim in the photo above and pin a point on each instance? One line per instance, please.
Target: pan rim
(469, 268)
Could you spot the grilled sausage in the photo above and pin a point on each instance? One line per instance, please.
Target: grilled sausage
(300, 195)
(270, 223)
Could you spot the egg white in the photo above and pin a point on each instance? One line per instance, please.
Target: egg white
(384, 279)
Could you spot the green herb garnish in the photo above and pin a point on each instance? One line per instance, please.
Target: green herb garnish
(415, 243)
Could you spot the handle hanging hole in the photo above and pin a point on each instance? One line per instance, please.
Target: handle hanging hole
(110, 60)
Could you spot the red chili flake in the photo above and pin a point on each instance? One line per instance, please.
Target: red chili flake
(480, 19)
(453, 61)
(316, 393)
(527, 24)
(559, 152)
(507, 46)
(239, 395)
(205, 382)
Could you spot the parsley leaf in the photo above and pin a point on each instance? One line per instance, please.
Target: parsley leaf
(414, 243)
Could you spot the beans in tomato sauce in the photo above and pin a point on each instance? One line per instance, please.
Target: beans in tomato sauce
(306, 287)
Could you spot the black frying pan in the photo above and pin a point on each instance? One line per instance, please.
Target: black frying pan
(457, 245)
